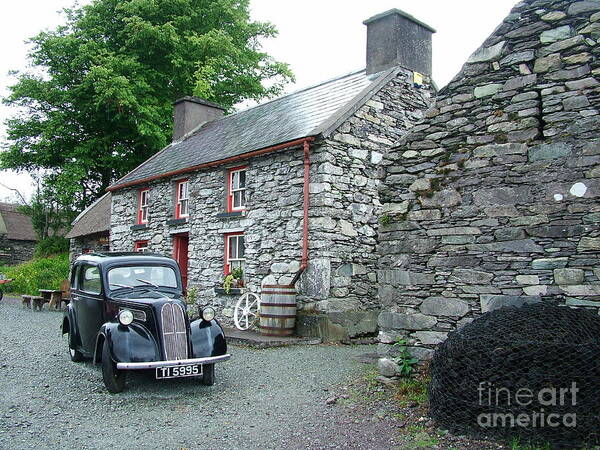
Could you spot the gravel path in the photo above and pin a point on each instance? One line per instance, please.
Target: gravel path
(266, 399)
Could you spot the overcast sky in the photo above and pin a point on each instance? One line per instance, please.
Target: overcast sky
(320, 39)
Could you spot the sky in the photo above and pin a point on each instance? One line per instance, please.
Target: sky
(320, 39)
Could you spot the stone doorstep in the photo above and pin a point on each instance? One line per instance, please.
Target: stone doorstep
(253, 339)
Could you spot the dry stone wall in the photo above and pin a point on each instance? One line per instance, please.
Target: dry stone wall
(13, 251)
(492, 200)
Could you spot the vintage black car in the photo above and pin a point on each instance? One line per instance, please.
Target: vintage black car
(127, 313)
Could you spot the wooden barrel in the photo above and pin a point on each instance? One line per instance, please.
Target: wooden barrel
(277, 310)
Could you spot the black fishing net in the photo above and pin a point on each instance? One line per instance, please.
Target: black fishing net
(530, 373)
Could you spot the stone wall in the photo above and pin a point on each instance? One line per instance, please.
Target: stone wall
(493, 199)
(14, 251)
(340, 280)
(98, 242)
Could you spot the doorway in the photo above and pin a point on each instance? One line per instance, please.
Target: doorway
(180, 254)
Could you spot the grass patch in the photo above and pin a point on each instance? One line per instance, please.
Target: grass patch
(413, 390)
(40, 273)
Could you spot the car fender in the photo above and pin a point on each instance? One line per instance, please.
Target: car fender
(69, 325)
(131, 343)
(208, 338)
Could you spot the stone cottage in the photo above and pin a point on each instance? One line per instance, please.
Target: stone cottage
(495, 193)
(90, 230)
(17, 237)
(286, 190)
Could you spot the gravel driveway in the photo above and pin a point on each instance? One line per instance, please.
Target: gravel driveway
(273, 398)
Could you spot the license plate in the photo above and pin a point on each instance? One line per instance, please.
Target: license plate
(189, 370)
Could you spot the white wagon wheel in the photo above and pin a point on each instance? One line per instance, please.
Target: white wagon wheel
(246, 310)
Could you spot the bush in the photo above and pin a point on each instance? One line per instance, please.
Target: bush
(40, 273)
(53, 245)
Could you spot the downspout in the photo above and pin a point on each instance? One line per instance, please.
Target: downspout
(306, 204)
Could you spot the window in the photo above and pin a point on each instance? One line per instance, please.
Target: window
(89, 279)
(141, 246)
(234, 252)
(183, 196)
(236, 189)
(143, 202)
(131, 276)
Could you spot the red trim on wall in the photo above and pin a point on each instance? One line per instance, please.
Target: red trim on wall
(213, 163)
(226, 236)
(138, 244)
(177, 206)
(139, 209)
(228, 189)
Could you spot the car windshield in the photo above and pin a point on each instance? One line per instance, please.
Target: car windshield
(147, 276)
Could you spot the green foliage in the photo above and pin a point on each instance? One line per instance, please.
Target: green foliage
(386, 219)
(54, 245)
(406, 362)
(98, 100)
(192, 295)
(42, 273)
(228, 283)
(238, 273)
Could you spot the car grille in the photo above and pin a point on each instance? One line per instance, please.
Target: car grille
(174, 331)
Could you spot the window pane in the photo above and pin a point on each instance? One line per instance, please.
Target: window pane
(90, 279)
(237, 199)
(183, 209)
(242, 179)
(232, 247)
(241, 247)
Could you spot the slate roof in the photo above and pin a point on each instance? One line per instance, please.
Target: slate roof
(94, 219)
(18, 225)
(314, 111)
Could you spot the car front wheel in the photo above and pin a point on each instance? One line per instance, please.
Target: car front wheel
(76, 355)
(114, 379)
(208, 374)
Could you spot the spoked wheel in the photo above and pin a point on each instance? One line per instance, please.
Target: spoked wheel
(246, 310)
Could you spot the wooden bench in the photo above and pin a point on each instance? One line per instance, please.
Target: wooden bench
(34, 300)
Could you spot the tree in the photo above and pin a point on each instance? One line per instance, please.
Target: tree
(100, 100)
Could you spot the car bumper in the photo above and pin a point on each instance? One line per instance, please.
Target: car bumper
(178, 362)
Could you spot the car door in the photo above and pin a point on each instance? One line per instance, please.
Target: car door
(88, 303)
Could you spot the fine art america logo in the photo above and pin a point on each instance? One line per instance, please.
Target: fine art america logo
(532, 405)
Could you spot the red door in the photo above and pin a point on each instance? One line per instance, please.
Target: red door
(180, 253)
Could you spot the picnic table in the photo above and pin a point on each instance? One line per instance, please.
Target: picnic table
(52, 296)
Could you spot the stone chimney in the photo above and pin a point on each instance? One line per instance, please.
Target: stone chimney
(395, 38)
(191, 112)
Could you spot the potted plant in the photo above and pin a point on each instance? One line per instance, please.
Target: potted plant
(238, 277)
(228, 283)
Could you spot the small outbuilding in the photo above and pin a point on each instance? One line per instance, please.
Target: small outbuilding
(91, 228)
(17, 237)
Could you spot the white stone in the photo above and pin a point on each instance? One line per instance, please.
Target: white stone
(279, 267)
(376, 157)
(578, 190)
(484, 54)
(528, 279)
(535, 290)
(347, 229)
(558, 197)
(360, 154)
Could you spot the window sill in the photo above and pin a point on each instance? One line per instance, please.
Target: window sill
(231, 215)
(140, 226)
(232, 291)
(177, 221)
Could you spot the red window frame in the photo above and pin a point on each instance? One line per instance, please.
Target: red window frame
(178, 199)
(230, 190)
(140, 214)
(226, 265)
(140, 246)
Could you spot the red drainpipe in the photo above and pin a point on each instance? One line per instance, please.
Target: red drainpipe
(304, 261)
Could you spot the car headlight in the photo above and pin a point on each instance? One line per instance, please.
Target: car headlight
(208, 314)
(125, 317)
